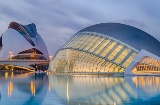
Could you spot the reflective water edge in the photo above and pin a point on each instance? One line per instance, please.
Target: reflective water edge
(43, 89)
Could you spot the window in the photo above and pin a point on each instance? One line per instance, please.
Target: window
(104, 53)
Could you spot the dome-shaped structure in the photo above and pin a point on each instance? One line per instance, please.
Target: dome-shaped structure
(108, 48)
(22, 42)
(127, 34)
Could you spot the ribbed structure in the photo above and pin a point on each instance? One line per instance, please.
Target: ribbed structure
(127, 34)
(107, 48)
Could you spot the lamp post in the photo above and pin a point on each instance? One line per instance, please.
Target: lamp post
(50, 57)
(10, 55)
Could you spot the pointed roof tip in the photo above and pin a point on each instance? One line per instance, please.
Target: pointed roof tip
(13, 24)
(31, 26)
(29, 30)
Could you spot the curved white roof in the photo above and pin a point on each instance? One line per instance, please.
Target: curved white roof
(18, 38)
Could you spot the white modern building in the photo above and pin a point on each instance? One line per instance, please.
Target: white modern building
(109, 48)
(22, 47)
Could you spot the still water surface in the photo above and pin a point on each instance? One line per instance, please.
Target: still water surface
(43, 89)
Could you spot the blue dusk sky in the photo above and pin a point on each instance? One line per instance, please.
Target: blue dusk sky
(58, 20)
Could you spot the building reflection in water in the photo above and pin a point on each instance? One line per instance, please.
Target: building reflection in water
(99, 90)
(30, 89)
(149, 84)
(10, 88)
(104, 90)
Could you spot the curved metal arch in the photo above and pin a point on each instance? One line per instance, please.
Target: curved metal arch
(91, 54)
(17, 26)
(109, 37)
(130, 35)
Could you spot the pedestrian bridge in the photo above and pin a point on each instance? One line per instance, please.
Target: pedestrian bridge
(22, 64)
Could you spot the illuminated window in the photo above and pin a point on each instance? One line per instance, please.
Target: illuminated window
(129, 60)
(116, 69)
(69, 42)
(104, 53)
(122, 55)
(121, 70)
(102, 46)
(91, 43)
(112, 67)
(96, 44)
(112, 55)
(78, 41)
(73, 41)
(85, 41)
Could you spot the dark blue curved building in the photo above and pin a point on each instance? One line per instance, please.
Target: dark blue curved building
(109, 48)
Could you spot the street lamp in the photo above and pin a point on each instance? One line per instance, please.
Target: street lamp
(10, 55)
(10, 52)
(50, 57)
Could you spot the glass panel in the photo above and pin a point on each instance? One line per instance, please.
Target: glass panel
(80, 41)
(69, 41)
(91, 42)
(108, 66)
(122, 55)
(121, 70)
(112, 67)
(116, 69)
(129, 60)
(75, 42)
(99, 61)
(96, 44)
(145, 60)
(83, 42)
(76, 61)
(102, 46)
(104, 53)
(86, 42)
(68, 44)
(149, 60)
(102, 62)
(112, 55)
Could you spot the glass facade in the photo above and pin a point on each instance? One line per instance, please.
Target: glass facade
(147, 65)
(90, 52)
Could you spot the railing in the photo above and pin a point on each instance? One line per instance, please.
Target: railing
(16, 60)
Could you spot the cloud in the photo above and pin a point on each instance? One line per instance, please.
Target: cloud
(58, 20)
